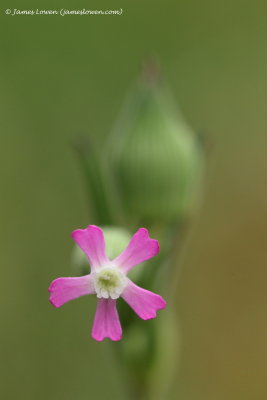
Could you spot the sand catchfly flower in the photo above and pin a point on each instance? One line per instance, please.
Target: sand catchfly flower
(108, 280)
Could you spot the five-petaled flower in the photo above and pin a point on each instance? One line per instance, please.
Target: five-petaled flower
(109, 281)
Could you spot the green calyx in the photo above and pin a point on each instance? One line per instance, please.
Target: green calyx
(154, 157)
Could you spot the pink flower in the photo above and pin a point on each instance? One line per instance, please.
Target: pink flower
(109, 281)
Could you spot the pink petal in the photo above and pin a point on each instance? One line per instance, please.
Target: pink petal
(106, 323)
(91, 241)
(65, 289)
(143, 302)
(140, 249)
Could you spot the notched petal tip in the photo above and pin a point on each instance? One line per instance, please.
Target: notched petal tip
(54, 304)
(160, 306)
(153, 313)
(91, 241)
(88, 229)
(143, 234)
(144, 231)
(51, 290)
(140, 248)
(106, 322)
(155, 244)
(144, 303)
(147, 318)
(63, 290)
(101, 338)
(163, 304)
(52, 285)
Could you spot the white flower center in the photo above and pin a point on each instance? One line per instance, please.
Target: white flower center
(109, 282)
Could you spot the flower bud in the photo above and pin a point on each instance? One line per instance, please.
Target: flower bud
(154, 158)
(116, 239)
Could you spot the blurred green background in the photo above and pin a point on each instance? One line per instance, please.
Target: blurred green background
(67, 76)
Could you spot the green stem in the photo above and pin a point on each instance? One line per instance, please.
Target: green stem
(96, 190)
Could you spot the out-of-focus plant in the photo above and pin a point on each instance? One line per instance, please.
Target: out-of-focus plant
(154, 157)
(149, 174)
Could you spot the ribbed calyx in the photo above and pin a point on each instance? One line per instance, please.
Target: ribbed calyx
(153, 156)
